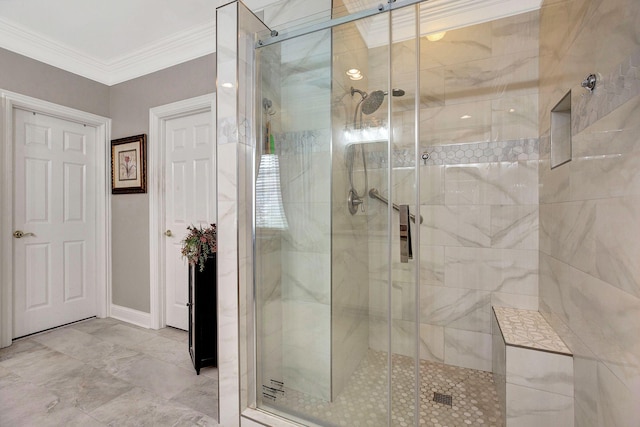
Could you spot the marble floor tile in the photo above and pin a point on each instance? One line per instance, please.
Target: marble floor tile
(19, 347)
(42, 365)
(169, 350)
(174, 334)
(124, 335)
(142, 408)
(104, 354)
(67, 341)
(92, 325)
(25, 404)
(210, 371)
(157, 376)
(202, 397)
(87, 388)
(104, 372)
(3, 373)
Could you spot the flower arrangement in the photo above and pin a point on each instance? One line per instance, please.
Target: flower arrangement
(199, 244)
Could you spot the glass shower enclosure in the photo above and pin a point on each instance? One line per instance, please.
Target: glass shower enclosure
(336, 250)
(394, 180)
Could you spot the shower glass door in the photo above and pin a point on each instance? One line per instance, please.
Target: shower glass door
(336, 252)
(293, 225)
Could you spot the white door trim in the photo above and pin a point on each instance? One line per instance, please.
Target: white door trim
(10, 101)
(155, 184)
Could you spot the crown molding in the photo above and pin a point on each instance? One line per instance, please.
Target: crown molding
(175, 49)
(166, 52)
(38, 47)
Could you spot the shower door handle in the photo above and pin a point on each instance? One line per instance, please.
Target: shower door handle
(405, 235)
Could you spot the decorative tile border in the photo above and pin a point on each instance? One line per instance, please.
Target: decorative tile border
(484, 152)
(455, 154)
(527, 328)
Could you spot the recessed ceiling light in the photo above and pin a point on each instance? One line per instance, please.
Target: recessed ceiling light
(436, 36)
(512, 110)
(466, 116)
(227, 85)
(354, 74)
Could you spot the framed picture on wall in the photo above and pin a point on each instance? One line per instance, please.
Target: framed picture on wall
(129, 165)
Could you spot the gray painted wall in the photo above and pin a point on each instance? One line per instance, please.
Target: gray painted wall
(33, 78)
(128, 105)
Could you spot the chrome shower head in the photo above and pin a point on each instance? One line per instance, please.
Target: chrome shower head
(372, 102)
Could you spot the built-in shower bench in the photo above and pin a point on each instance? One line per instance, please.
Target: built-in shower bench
(532, 369)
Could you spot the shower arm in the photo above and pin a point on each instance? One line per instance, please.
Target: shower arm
(363, 96)
(374, 194)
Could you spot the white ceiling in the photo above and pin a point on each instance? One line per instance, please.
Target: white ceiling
(111, 41)
(106, 29)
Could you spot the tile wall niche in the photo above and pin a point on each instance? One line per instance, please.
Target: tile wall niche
(479, 189)
(589, 208)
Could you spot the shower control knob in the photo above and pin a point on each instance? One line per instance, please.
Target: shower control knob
(589, 82)
(425, 156)
(353, 201)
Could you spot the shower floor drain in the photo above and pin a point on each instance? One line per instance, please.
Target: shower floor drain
(445, 399)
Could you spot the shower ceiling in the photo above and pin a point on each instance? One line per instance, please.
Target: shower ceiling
(117, 40)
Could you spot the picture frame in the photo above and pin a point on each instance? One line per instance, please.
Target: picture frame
(129, 165)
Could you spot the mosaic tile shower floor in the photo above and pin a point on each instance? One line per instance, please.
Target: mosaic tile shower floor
(363, 401)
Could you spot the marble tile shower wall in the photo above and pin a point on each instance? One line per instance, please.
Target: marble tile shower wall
(479, 189)
(479, 245)
(350, 237)
(306, 261)
(478, 83)
(589, 207)
(303, 143)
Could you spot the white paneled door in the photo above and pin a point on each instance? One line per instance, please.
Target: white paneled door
(189, 199)
(54, 220)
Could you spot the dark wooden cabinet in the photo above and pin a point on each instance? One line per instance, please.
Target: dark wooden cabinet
(203, 322)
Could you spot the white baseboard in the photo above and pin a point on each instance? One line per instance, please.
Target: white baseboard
(129, 315)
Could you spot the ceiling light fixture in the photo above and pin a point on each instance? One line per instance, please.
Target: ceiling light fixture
(354, 74)
(227, 85)
(434, 37)
(466, 116)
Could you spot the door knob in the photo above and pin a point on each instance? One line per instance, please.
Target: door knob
(168, 233)
(19, 234)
